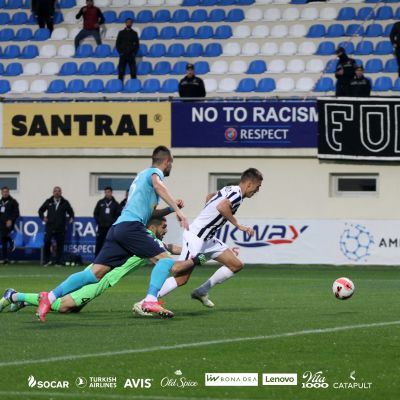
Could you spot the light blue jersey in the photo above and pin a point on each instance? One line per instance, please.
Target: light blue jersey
(142, 199)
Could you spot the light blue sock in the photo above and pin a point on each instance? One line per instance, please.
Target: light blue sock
(75, 282)
(20, 296)
(159, 275)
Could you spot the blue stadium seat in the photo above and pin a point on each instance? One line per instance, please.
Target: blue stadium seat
(186, 32)
(132, 86)
(150, 86)
(330, 67)
(162, 68)
(223, 32)
(396, 85)
(208, 3)
(162, 16)
(113, 86)
(382, 84)
(142, 50)
(265, 85)
(157, 50)
(11, 51)
(13, 4)
(346, 14)
(326, 49)
(246, 85)
(149, 33)
(176, 50)
(374, 30)
(217, 15)
(225, 3)
(397, 13)
(4, 18)
(354, 30)
(348, 46)
(4, 86)
(84, 50)
(316, 31)
(180, 16)
(30, 51)
(144, 17)
(388, 29)
(198, 16)
(58, 17)
(257, 67)
(102, 51)
(23, 34)
(67, 3)
(106, 68)
(170, 85)
(75, 86)
(168, 33)
(391, 65)
(41, 34)
(373, 65)
(384, 13)
(6, 35)
(364, 48)
(94, 86)
(250, 2)
(144, 68)
(87, 68)
(2, 3)
(19, 18)
(68, 68)
(190, 3)
(13, 69)
(213, 50)
(123, 15)
(194, 50)
(110, 16)
(201, 67)
(179, 68)
(324, 84)
(299, 2)
(1, 69)
(383, 48)
(235, 15)
(32, 20)
(335, 30)
(204, 32)
(372, 1)
(365, 14)
(391, 1)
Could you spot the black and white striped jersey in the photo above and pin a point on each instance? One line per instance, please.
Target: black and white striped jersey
(210, 220)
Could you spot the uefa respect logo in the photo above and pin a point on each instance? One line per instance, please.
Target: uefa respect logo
(356, 242)
(231, 134)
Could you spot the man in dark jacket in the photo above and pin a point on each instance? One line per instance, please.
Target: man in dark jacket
(9, 212)
(345, 70)
(57, 210)
(127, 45)
(191, 85)
(92, 19)
(123, 202)
(395, 39)
(360, 86)
(105, 213)
(44, 11)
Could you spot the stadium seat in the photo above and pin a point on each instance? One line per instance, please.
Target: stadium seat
(288, 48)
(373, 65)
(56, 86)
(180, 16)
(219, 67)
(260, 31)
(223, 32)
(348, 46)
(225, 2)
(20, 86)
(201, 67)
(68, 68)
(298, 2)
(254, 14)
(227, 85)
(48, 51)
(257, 67)
(328, 13)
(102, 51)
(285, 85)
(149, 33)
(269, 49)
(396, 85)
(316, 31)
(19, 18)
(87, 68)
(4, 18)
(383, 48)
(382, 84)
(295, 66)
(309, 14)
(290, 14)
(217, 15)
(31, 69)
(231, 49)
(144, 68)
(119, 3)
(151, 86)
(234, 15)
(204, 32)
(237, 67)
(279, 31)
(1, 69)
(143, 17)
(168, 33)
(346, 14)
(324, 84)
(391, 65)
(75, 86)
(110, 16)
(13, 69)
(212, 50)
(6, 35)
(263, 2)
(106, 68)
(272, 14)
(374, 30)
(132, 86)
(241, 31)
(142, 50)
(41, 34)
(388, 28)
(194, 50)
(72, 33)
(113, 86)
(162, 16)
(112, 33)
(297, 30)
(176, 50)
(123, 15)
(364, 48)
(190, 3)
(265, 85)
(246, 85)
(335, 30)
(57, 19)
(38, 86)
(211, 85)
(84, 51)
(155, 3)
(365, 14)
(4, 86)
(354, 30)
(326, 48)
(314, 66)
(306, 48)
(276, 66)
(13, 4)
(179, 68)
(94, 86)
(304, 84)
(157, 50)
(23, 34)
(11, 51)
(50, 68)
(186, 32)
(169, 86)
(250, 49)
(162, 68)
(198, 16)
(67, 3)
(384, 13)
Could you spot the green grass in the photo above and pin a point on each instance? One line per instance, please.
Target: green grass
(260, 301)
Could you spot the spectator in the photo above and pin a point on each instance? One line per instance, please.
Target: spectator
(92, 19)
(105, 213)
(191, 85)
(360, 86)
(127, 45)
(9, 212)
(345, 69)
(395, 39)
(44, 11)
(123, 202)
(57, 209)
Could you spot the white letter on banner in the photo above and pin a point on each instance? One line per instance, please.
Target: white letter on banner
(366, 114)
(227, 113)
(331, 120)
(396, 128)
(237, 112)
(197, 114)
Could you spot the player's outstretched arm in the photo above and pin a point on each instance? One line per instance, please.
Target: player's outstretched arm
(225, 209)
(163, 212)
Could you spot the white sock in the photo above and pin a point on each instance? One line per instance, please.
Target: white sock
(52, 297)
(220, 275)
(169, 285)
(150, 297)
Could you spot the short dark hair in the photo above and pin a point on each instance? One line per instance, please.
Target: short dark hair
(160, 153)
(129, 19)
(108, 188)
(156, 221)
(5, 187)
(252, 174)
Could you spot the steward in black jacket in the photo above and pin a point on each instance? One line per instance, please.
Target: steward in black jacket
(191, 85)
(360, 86)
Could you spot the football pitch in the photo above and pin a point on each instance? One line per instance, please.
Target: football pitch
(267, 319)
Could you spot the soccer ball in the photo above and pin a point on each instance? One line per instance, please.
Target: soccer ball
(343, 288)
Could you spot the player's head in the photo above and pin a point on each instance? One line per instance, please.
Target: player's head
(162, 159)
(5, 191)
(108, 192)
(250, 182)
(57, 192)
(158, 226)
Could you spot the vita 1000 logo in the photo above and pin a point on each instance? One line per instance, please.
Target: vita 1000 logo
(314, 380)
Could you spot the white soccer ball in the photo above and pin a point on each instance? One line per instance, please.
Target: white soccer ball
(343, 288)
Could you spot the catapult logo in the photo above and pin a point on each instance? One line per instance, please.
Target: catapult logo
(353, 383)
(33, 383)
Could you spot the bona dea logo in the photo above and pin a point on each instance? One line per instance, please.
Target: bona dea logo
(32, 383)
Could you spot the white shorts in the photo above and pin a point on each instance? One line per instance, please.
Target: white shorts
(193, 245)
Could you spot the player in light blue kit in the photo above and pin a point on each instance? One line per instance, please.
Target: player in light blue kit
(128, 236)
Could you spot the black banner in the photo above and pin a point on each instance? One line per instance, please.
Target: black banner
(359, 129)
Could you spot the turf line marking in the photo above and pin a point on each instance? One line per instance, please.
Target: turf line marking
(198, 344)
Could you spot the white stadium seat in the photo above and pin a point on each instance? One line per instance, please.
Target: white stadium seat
(309, 14)
(281, 1)
(119, 3)
(260, 31)
(219, 67)
(288, 48)
(272, 14)
(328, 13)
(238, 67)
(241, 31)
(173, 3)
(250, 49)
(81, 3)
(66, 51)
(297, 30)
(20, 86)
(227, 85)
(307, 48)
(69, 17)
(295, 66)
(48, 51)
(315, 65)
(279, 31)
(355, 1)
(269, 49)
(138, 3)
(112, 33)
(73, 32)
(38, 86)
(253, 14)
(304, 85)
(50, 68)
(276, 66)
(291, 14)
(32, 68)
(102, 3)
(231, 49)
(59, 34)
(263, 1)
(155, 3)
(285, 85)
(211, 85)
(337, 1)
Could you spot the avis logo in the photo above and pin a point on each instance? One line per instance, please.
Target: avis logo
(141, 383)
(32, 382)
(265, 235)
